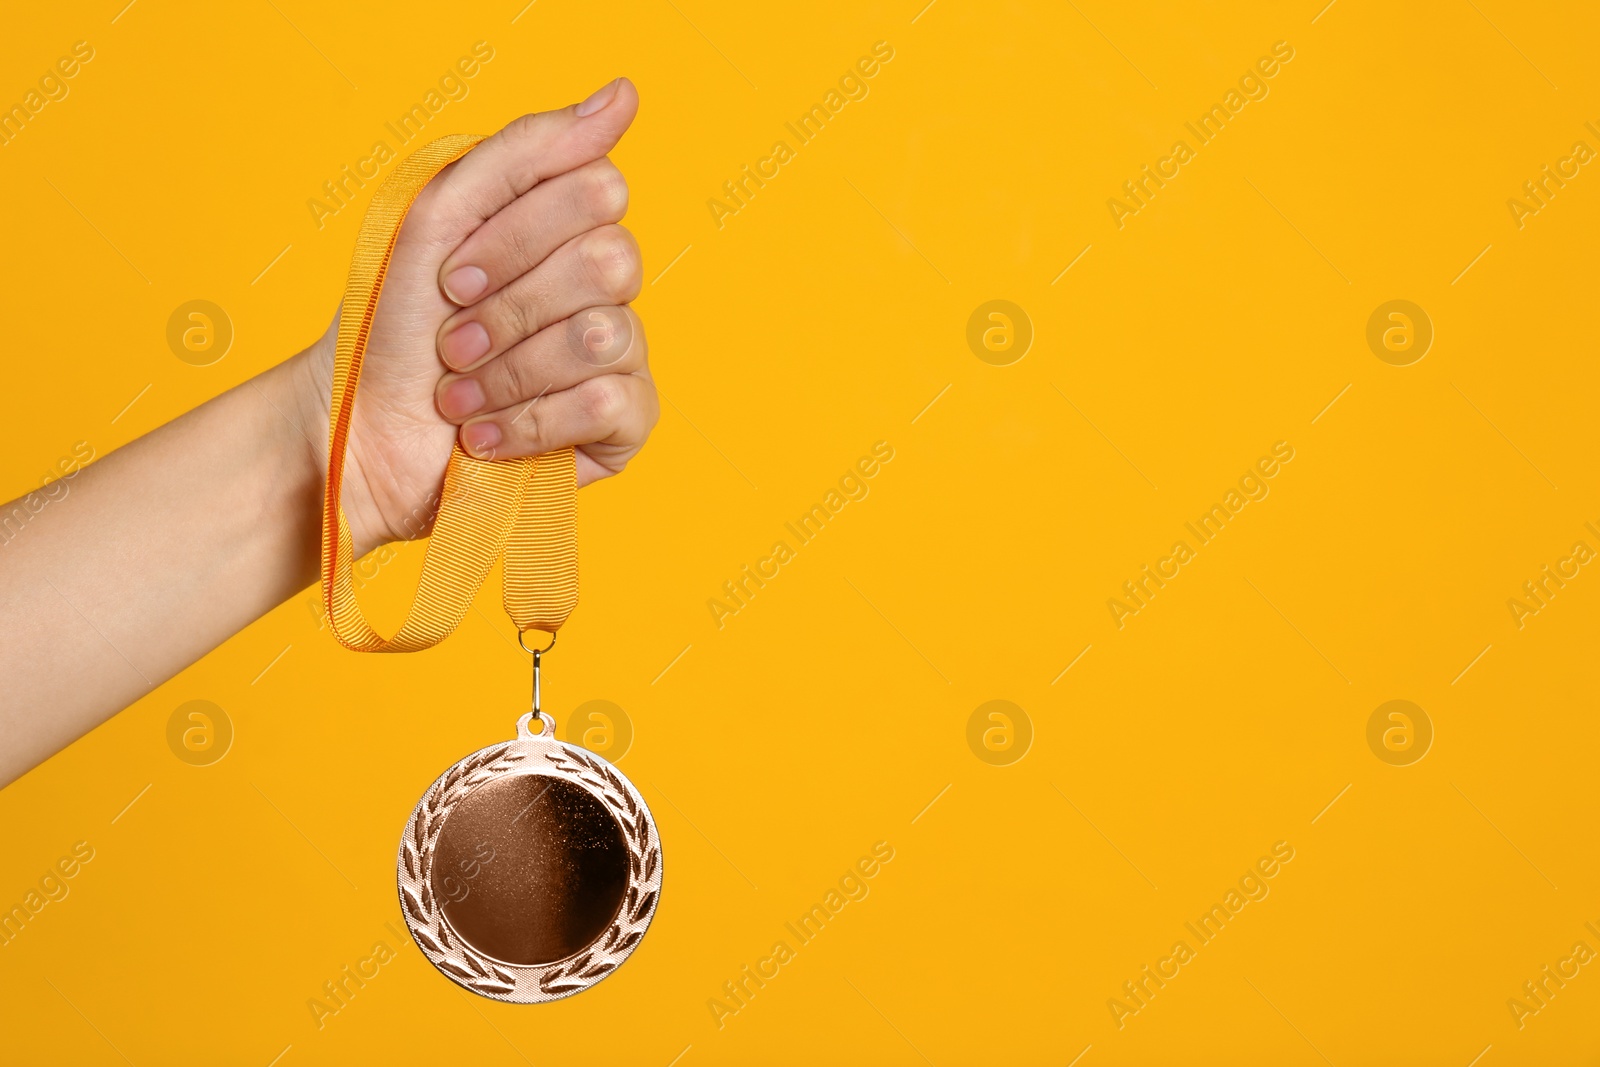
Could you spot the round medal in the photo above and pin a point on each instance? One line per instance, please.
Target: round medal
(529, 870)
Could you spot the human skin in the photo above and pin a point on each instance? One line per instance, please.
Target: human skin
(503, 324)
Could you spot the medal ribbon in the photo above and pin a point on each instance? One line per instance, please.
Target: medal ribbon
(525, 508)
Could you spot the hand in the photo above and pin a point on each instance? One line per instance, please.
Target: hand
(503, 319)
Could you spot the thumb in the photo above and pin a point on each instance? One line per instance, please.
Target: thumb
(523, 154)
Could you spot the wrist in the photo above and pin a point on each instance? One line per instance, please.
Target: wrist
(301, 388)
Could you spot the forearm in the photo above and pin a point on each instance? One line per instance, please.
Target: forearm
(149, 558)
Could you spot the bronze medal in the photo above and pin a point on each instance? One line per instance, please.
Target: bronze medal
(531, 869)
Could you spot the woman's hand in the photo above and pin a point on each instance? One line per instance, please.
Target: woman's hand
(503, 319)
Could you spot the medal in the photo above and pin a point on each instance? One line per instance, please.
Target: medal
(531, 869)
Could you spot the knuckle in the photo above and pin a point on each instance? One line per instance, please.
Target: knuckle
(518, 243)
(613, 258)
(604, 400)
(603, 337)
(606, 191)
(513, 379)
(523, 127)
(526, 424)
(638, 343)
(515, 317)
(653, 415)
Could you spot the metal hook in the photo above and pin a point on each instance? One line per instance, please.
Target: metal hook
(538, 656)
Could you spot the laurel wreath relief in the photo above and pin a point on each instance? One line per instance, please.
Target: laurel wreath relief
(485, 975)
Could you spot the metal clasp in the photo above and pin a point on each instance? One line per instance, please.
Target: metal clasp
(538, 657)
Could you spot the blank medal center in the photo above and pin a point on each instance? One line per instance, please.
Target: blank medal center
(530, 869)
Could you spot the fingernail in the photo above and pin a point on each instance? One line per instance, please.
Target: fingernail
(465, 284)
(465, 345)
(481, 438)
(602, 96)
(461, 398)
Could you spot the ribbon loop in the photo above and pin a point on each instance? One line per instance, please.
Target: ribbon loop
(525, 508)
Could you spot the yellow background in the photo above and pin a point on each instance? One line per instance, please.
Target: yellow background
(829, 712)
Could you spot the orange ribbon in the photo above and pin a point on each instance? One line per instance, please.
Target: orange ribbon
(525, 508)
